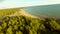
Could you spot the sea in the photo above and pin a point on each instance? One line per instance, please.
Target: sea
(44, 10)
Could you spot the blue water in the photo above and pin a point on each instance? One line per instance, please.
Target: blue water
(45, 10)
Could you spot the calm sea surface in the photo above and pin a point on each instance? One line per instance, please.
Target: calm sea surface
(45, 11)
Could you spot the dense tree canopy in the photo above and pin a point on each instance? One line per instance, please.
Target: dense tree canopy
(28, 25)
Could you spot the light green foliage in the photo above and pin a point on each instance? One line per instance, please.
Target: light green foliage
(54, 25)
(15, 27)
(4, 25)
(9, 30)
(18, 32)
(35, 24)
(0, 28)
(42, 27)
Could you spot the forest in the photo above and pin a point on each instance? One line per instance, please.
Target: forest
(27, 25)
(4, 12)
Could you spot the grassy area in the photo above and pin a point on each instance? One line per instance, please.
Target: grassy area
(5, 12)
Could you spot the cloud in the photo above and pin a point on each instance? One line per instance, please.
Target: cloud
(12, 4)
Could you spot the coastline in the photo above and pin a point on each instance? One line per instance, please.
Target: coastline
(24, 13)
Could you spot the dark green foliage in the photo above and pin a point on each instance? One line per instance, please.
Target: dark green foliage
(27, 25)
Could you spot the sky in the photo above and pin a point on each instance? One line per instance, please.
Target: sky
(24, 3)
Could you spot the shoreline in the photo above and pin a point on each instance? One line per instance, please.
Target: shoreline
(23, 13)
